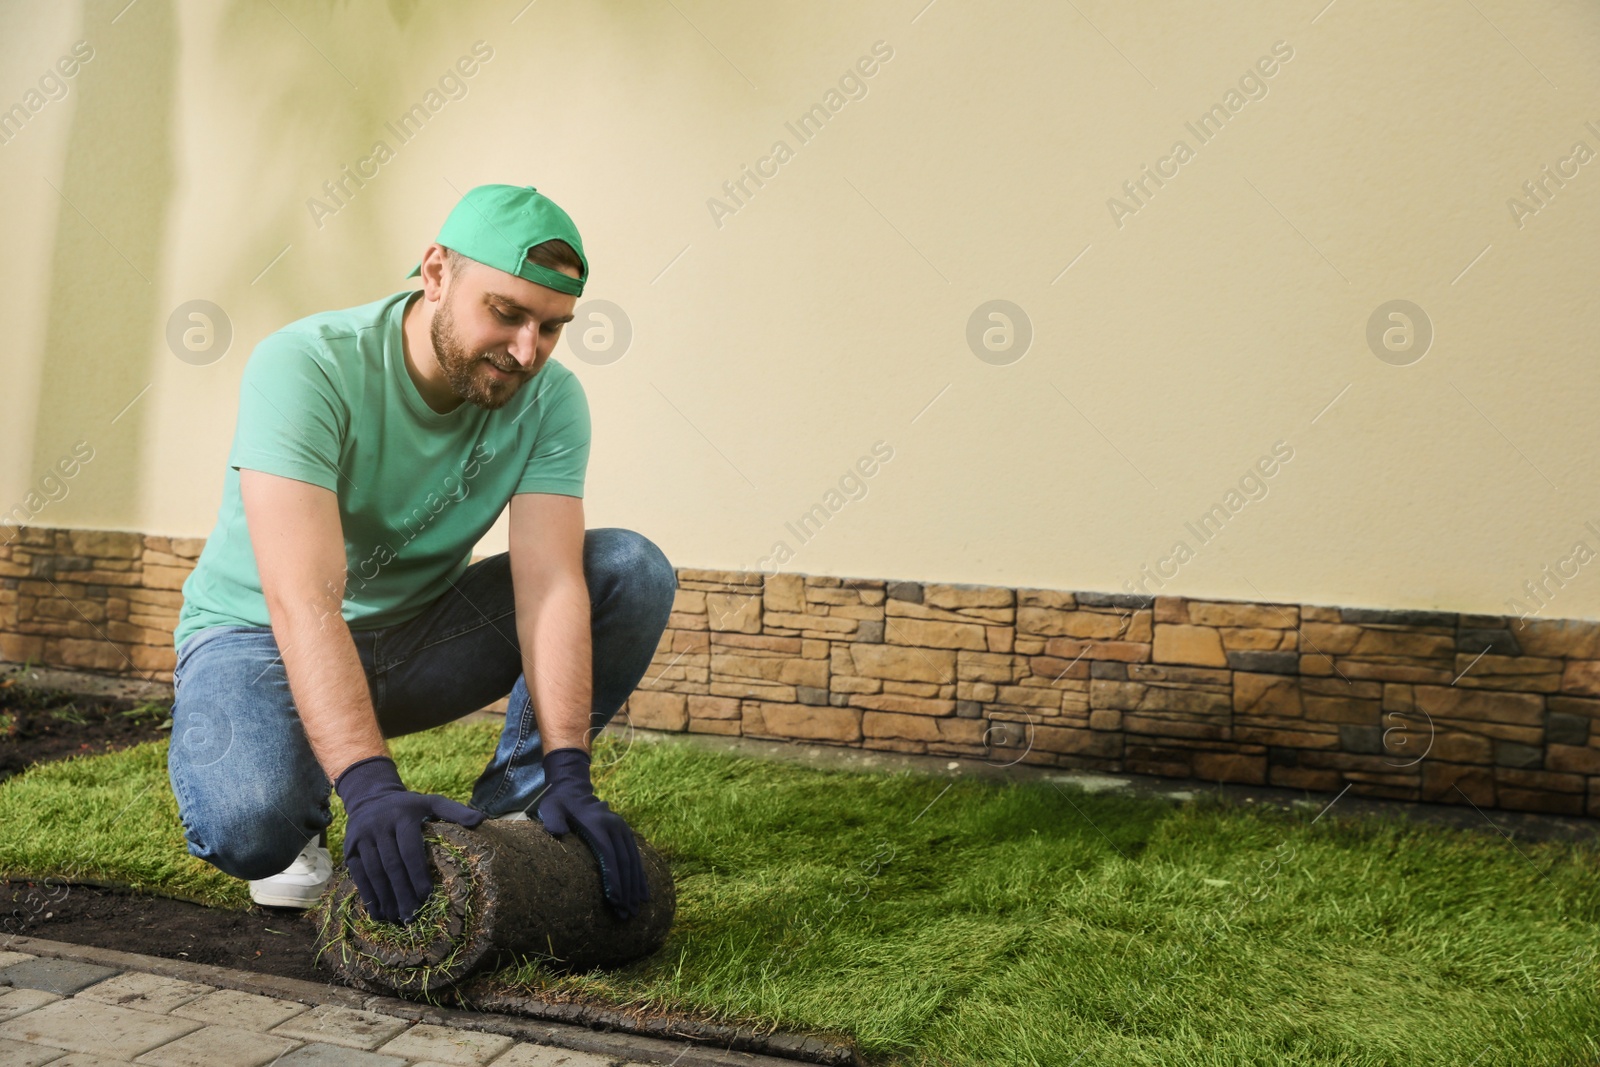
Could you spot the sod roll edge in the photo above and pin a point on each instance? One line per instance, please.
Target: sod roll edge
(502, 889)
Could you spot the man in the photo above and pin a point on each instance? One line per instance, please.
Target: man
(334, 605)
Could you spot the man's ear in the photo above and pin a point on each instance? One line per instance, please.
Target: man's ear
(435, 269)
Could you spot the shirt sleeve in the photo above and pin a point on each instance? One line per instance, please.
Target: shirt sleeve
(291, 420)
(560, 455)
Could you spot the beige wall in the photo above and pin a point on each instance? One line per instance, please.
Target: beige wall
(830, 311)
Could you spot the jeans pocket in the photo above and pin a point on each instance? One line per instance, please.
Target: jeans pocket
(186, 651)
(177, 670)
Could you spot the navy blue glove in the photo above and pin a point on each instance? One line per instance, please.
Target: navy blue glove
(569, 803)
(383, 845)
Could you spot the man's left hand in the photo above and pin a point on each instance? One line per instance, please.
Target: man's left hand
(569, 803)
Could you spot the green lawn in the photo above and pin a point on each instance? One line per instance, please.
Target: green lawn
(973, 923)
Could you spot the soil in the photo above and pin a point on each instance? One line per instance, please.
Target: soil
(269, 941)
(266, 940)
(37, 726)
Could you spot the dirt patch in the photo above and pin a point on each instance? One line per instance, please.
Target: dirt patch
(37, 726)
(40, 725)
(265, 940)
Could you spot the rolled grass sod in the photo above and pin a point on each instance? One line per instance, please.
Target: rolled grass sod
(502, 891)
(939, 921)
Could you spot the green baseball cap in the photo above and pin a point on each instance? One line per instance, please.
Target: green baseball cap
(497, 224)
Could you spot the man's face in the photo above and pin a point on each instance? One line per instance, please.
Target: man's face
(493, 331)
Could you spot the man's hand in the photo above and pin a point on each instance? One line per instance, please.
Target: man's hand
(569, 803)
(383, 836)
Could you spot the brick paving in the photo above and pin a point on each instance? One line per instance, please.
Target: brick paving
(66, 1012)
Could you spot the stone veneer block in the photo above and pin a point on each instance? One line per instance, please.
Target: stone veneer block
(1199, 645)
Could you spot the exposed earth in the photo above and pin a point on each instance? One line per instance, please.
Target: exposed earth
(38, 726)
(268, 940)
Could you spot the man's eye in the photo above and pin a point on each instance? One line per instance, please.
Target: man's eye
(553, 327)
(502, 316)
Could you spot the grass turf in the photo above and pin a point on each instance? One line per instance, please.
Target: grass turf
(974, 923)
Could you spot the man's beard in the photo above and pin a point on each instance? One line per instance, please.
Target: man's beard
(462, 368)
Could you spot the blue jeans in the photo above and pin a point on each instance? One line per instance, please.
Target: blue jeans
(251, 793)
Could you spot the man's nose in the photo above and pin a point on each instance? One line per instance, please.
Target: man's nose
(525, 347)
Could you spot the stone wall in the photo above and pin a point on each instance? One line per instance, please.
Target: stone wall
(99, 600)
(1409, 705)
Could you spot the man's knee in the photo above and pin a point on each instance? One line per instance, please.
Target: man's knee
(645, 571)
(252, 836)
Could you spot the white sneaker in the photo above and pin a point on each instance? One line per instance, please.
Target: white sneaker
(299, 884)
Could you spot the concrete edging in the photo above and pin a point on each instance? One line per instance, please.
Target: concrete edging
(571, 1026)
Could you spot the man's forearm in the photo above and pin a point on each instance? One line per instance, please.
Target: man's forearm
(329, 687)
(558, 661)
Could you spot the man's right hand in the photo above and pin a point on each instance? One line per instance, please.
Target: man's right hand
(383, 845)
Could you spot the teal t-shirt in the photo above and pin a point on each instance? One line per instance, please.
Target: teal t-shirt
(328, 400)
